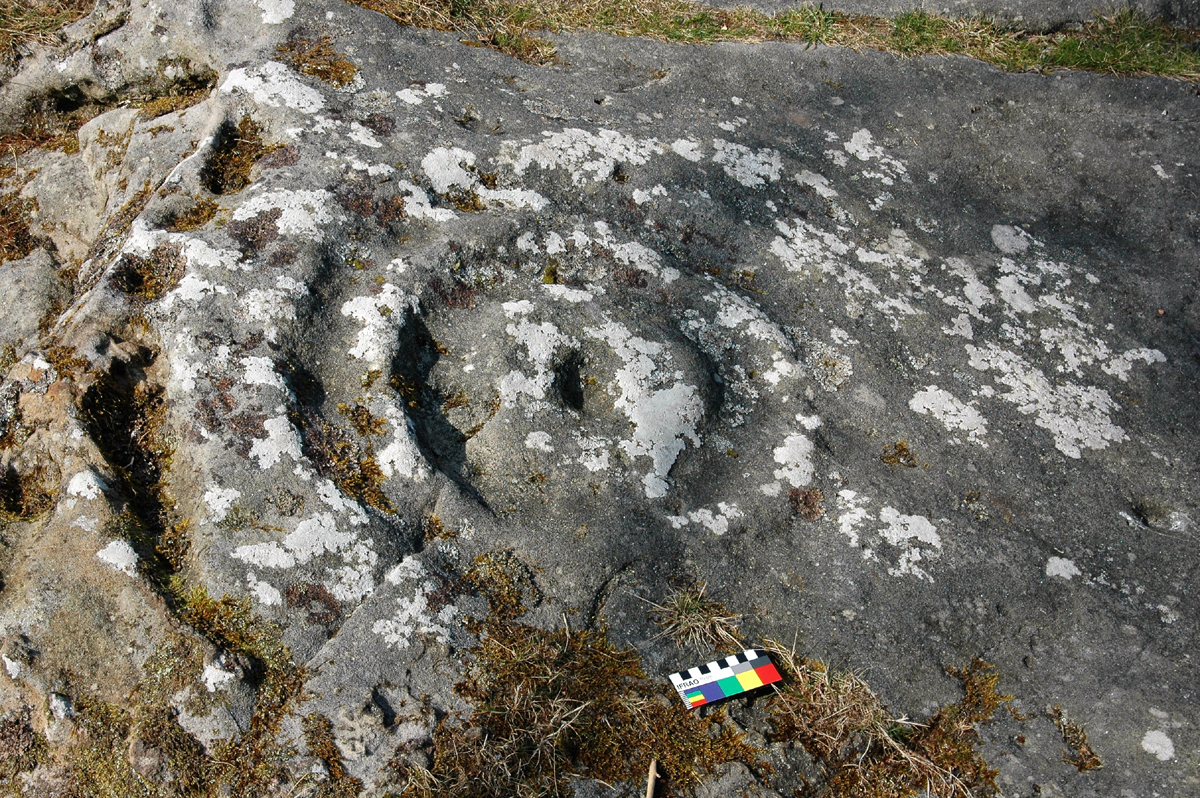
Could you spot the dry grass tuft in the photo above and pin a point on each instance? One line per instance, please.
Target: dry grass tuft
(549, 706)
(691, 618)
(1079, 752)
(36, 21)
(868, 752)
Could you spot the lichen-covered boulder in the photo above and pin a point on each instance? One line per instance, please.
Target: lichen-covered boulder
(373, 347)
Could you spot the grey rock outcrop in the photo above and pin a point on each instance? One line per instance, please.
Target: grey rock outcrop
(635, 317)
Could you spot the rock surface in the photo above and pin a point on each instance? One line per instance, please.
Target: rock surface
(611, 319)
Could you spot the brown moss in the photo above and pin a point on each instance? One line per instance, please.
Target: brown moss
(361, 419)
(434, 529)
(234, 152)
(458, 295)
(256, 232)
(1078, 752)
(899, 453)
(16, 241)
(151, 277)
(26, 496)
(27, 21)
(349, 463)
(318, 736)
(179, 95)
(808, 503)
(21, 748)
(96, 763)
(195, 217)
(316, 57)
(322, 608)
(253, 764)
(66, 363)
(505, 583)
(549, 706)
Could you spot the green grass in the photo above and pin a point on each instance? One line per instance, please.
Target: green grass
(1125, 43)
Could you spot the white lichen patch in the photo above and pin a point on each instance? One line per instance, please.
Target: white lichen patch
(1077, 416)
(302, 212)
(795, 460)
(120, 556)
(1012, 240)
(818, 183)
(539, 440)
(1062, 568)
(635, 255)
(219, 500)
(886, 169)
(364, 136)
(585, 155)
(282, 439)
(451, 169)
(688, 149)
(905, 532)
(275, 85)
(261, 371)
(276, 11)
(663, 418)
(1119, 366)
(853, 513)
(806, 250)
(214, 677)
(1159, 744)
(417, 94)
(270, 305)
(751, 169)
(540, 342)
(717, 523)
(86, 485)
(953, 413)
(315, 537)
(414, 618)
(379, 314)
(266, 593)
(401, 456)
(417, 205)
(594, 452)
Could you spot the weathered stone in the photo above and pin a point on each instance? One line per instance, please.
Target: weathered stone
(896, 356)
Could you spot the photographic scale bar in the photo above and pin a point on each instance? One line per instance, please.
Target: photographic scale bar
(724, 678)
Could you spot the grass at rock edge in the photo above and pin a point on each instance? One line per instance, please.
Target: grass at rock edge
(1125, 43)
